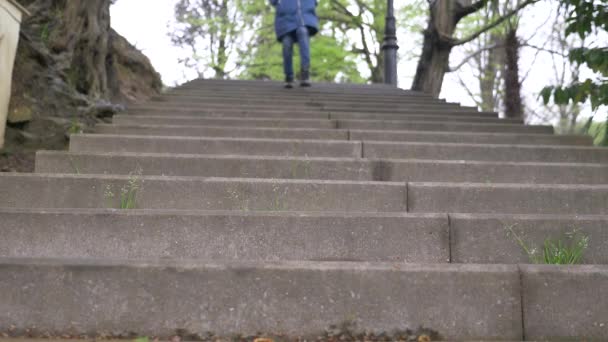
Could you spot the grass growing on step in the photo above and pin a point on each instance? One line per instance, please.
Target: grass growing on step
(566, 250)
(74, 165)
(128, 192)
(45, 33)
(301, 169)
(75, 127)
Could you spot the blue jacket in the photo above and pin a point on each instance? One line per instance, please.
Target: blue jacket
(291, 14)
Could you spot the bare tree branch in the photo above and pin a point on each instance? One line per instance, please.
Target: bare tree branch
(543, 49)
(494, 24)
(466, 88)
(462, 12)
(473, 55)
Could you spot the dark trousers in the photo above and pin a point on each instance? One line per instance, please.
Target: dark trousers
(302, 37)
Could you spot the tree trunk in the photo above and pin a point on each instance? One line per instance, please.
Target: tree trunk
(81, 37)
(91, 59)
(489, 74)
(513, 100)
(436, 48)
(222, 49)
(491, 65)
(377, 75)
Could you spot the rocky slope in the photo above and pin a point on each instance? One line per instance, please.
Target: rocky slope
(71, 71)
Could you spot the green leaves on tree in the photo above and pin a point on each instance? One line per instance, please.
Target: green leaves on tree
(584, 18)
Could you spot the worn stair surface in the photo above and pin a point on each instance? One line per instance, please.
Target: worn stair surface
(239, 207)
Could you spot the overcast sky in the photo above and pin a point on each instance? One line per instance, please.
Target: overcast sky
(148, 31)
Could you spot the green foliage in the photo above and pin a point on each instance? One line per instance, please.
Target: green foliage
(128, 192)
(561, 253)
(584, 18)
(566, 250)
(212, 30)
(599, 132)
(45, 34)
(329, 62)
(579, 92)
(75, 127)
(596, 59)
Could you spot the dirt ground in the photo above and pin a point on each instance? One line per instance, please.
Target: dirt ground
(17, 162)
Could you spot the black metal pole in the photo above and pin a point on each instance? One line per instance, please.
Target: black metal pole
(390, 46)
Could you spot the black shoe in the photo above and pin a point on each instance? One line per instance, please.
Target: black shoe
(305, 79)
(288, 82)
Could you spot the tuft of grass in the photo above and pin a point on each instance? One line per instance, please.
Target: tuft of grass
(128, 192)
(301, 169)
(74, 164)
(566, 250)
(75, 127)
(45, 33)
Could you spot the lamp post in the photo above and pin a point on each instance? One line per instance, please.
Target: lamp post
(389, 46)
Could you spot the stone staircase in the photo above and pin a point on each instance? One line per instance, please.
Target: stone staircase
(248, 208)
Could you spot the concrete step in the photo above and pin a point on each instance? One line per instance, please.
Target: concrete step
(332, 148)
(442, 126)
(246, 297)
(507, 198)
(285, 97)
(312, 94)
(544, 302)
(343, 124)
(236, 122)
(276, 89)
(281, 102)
(269, 106)
(196, 165)
(228, 146)
(338, 134)
(442, 117)
(430, 116)
(484, 239)
(472, 138)
(296, 96)
(320, 89)
(409, 238)
(225, 131)
(196, 193)
(311, 113)
(486, 152)
(285, 298)
(227, 112)
(224, 236)
(248, 236)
